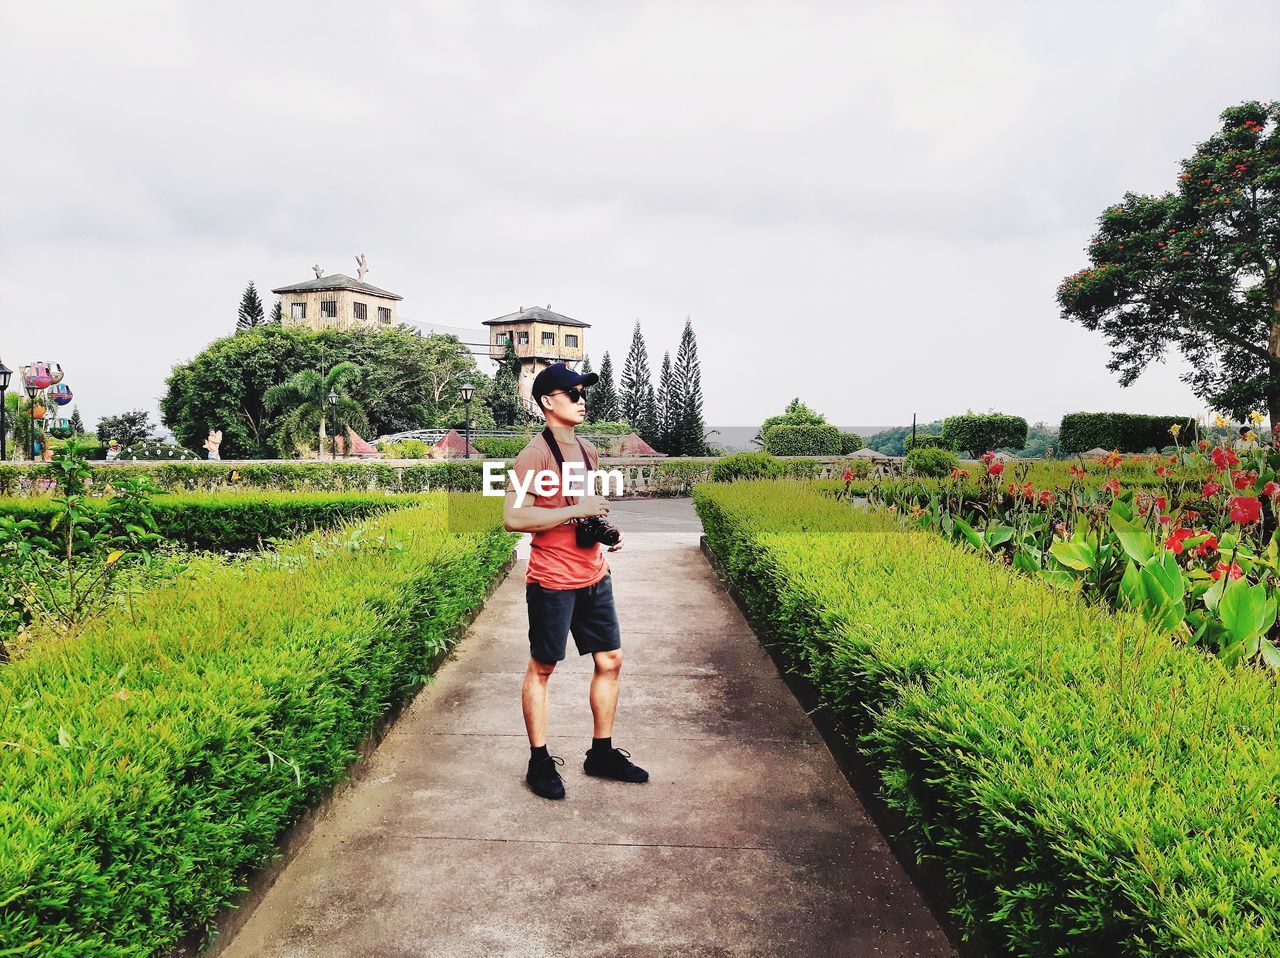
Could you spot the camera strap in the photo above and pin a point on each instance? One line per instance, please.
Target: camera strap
(551, 441)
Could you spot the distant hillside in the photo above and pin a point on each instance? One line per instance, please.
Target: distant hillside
(738, 438)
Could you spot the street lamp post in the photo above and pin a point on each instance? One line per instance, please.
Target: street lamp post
(5, 373)
(333, 440)
(32, 393)
(467, 391)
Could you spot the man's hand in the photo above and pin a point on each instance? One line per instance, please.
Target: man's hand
(593, 506)
(617, 545)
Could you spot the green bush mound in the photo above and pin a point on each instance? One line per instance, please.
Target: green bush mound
(1127, 432)
(239, 520)
(930, 461)
(150, 762)
(1087, 787)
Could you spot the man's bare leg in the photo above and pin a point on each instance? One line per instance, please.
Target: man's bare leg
(533, 699)
(604, 691)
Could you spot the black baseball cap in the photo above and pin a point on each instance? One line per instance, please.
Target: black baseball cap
(559, 376)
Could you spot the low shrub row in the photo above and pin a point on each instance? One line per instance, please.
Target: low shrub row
(1127, 432)
(150, 762)
(1087, 787)
(314, 476)
(230, 521)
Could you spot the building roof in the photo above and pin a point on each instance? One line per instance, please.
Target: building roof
(536, 314)
(359, 447)
(452, 444)
(336, 281)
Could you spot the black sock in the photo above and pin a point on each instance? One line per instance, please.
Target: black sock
(601, 744)
(538, 751)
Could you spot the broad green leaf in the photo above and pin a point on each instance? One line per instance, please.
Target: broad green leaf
(1136, 540)
(1243, 609)
(997, 535)
(975, 540)
(1076, 554)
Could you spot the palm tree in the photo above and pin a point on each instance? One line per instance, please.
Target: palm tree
(305, 395)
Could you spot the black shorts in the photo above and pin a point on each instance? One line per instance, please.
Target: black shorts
(587, 612)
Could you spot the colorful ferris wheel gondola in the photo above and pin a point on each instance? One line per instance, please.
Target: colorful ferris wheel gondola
(61, 394)
(39, 376)
(55, 373)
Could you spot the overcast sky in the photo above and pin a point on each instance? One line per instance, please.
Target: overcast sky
(866, 204)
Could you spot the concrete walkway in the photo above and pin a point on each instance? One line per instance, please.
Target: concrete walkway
(746, 840)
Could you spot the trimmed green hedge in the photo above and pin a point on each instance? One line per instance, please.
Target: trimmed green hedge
(785, 440)
(976, 433)
(149, 764)
(1127, 432)
(850, 442)
(239, 520)
(1087, 787)
(314, 476)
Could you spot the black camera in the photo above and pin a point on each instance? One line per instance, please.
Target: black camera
(593, 529)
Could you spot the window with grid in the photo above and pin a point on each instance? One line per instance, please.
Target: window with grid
(570, 341)
(329, 308)
(548, 339)
(297, 310)
(360, 310)
(522, 339)
(384, 314)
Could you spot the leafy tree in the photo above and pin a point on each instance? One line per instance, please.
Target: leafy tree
(77, 424)
(505, 401)
(250, 314)
(408, 381)
(602, 400)
(277, 315)
(689, 429)
(637, 386)
(1197, 270)
(128, 427)
(668, 407)
(304, 401)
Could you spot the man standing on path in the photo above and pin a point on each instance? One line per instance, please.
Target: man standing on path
(567, 586)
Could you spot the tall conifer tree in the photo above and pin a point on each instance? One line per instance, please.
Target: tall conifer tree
(250, 314)
(604, 396)
(637, 385)
(690, 429)
(668, 407)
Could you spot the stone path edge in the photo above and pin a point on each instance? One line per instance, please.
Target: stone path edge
(233, 916)
(862, 777)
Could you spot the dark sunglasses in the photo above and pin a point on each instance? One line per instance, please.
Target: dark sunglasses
(574, 394)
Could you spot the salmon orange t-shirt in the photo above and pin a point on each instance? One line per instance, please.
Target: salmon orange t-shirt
(556, 561)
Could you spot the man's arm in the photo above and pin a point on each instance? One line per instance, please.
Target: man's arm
(539, 518)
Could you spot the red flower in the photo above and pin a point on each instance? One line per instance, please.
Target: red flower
(1209, 545)
(1162, 470)
(1175, 541)
(1112, 485)
(1243, 480)
(1046, 498)
(986, 457)
(1271, 489)
(995, 468)
(958, 473)
(1112, 459)
(1234, 572)
(1203, 444)
(1224, 458)
(1244, 509)
(1211, 489)
(1077, 472)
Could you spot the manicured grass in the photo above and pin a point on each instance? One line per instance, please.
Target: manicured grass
(148, 763)
(1087, 787)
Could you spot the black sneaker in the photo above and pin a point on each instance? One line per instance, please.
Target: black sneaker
(543, 777)
(614, 763)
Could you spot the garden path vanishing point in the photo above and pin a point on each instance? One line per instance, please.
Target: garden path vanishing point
(746, 840)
